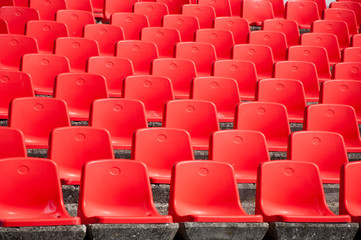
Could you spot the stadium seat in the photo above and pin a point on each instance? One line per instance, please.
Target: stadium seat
(221, 91)
(345, 92)
(244, 72)
(238, 26)
(114, 69)
(356, 40)
(121, 117)
(12, 143)
(275, 40)
(278, 7)
(347, 70)
(256, 11)
(13, 47)
(302, 12)
(75, 20)
(206, 191)
(159, 149)
(31, 194)
(152, 91)
(186, 25)
(13, 84)
(286, 26)
(140, 53)
(314, 54)
(345, 15)
(351, 5)
(153, 10)
(222, 40)
(197, 117)
(79, 90)
(204, 13)
(325, 149)
(243, 149)
(179, 71)
(47, 9)
(116, 6)
(4, 28)
(260, 55)
(105, 35)
(288, 92)
(71, 147)
(131, 23)
(46, 32)
(202, 54)
(84, 5)
(269, 118)
(321, 5)
(42, 116)
(334, 118)
(174, 6)
(352, 54)
(222, 7)
(17, 17)
(282, 197)
(164, 38)
(339, 28)
(303, 71)
(77, 50)
(326, 40)
(98, 8)
(7, 3)
(43, 70)
(117, 192)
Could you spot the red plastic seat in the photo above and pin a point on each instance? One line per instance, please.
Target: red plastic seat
(221, 91)
(71, 147)
(131, 23)
(347, 70)
(164, 38)
(12, 143)
(47, 9)
(325, 149)
(186, 25)
(356, 40)
(286, 26)
(13, 47)
(31, 194)
(43, 69)
(114, 69)
(153, 10)
(314, 54)
(121, 117)
(244, 72)
(275, 40)
(288, 92)
(79, 90)
(269, 118)
(204, 13)
(282, 196)
(202, 54)
(75, 20)
(303, 71)
(174, 6)
(222, 7)
(238, 26)
(256, 11)
(159, 149)
(350, 191)
(302, 12)
(13, 84)
(42, 116)
(17, 17)
(98, 8)
(326, 40)
(339, 28)
(116, 6)
(46, 32)
(351, 5)
(105, 35)
(197, 117)
(140, 53)
(260, 55)
(4, 28)
(243, 149)
(334, 118)
(206, 191)
(77, 50)
(114, 191)
(345, 15)
(352, 54)
(179, 71)
(222, 40)
(84, 5)
(7, 3)
(278, 7)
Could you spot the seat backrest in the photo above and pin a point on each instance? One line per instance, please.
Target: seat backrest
(325, 149)
(98, 7)
(17, 17)
(13, 84)
(288, 27)
(84, 5)
(77, 50)
(131, 23)
(351, 5)
(278, 7)
(105, 35)
(302, 12)
(222, 40)
(222, 7)
(114, 69)
(356, 40)
(339, 28)
(47, 10)
(71, 147)
(244, 72)
(352, 54)
(238, 26)
(116, 6)
(256, 11)
(4, 28)
(204, 13)
(174, 6)
(12, 143)
(186, 25)
(75, 20)
(345, 15)
(153, 10)
(347, 70)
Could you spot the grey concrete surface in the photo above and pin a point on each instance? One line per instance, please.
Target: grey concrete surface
(70, 193)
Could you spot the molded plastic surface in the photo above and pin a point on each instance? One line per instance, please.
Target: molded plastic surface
(256, 11)
(47, 10)
(12, 143)
(4, 28)
(347, 70)
(352, 54)
(116, 6)
(84, 5)
(287, 26)
(345, 15)
(222, 40)
(186, 25)
(75, 20)
(131, 23)
(222, 7)
(238, 26)
(351, 5)
(153, 10)
(204, 13)
(302, 12)
(175, 6)
(17, 17)
(339, 28)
